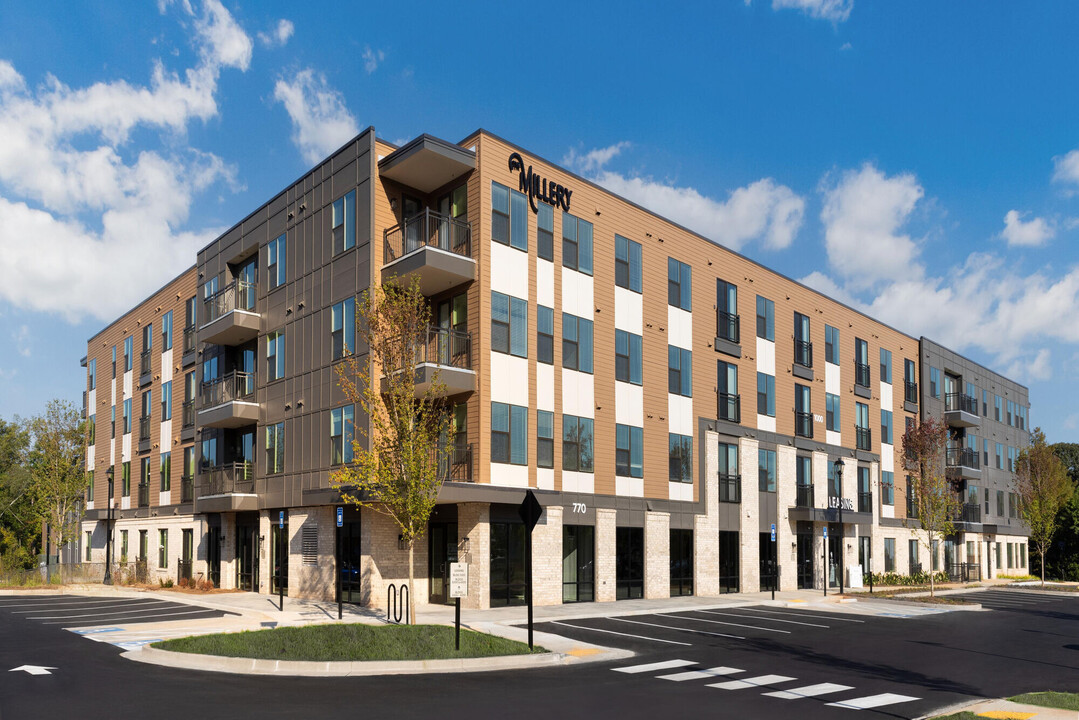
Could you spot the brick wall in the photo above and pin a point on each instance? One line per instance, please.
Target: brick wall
(606, 555)
(657, 562)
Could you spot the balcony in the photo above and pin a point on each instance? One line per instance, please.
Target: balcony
(144, 429)
(962, 462)
(187, 489)
(227, 488)
(433, 248)
(803, 353)
(447, 354)
(144, 365)
(229, 315)
(803, 424)
(960, 410)
(730, 488)
(455, 461)
(969, 513)
(730, 407)
(189, 414)
(861, 380)
(804, 496)
(144, 495)
(728, 333)
(83, 404)
(189, 338)
(865, 502)
(910, 392)
(863, 438)
(229, 401)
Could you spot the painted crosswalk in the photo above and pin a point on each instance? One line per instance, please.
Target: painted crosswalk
(768, 681)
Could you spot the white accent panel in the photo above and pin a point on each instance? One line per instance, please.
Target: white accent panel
(509, 271)
(680, 414)
(509, 375)
(578, 482)
(509, 475)
(125, 503)
(545, 283)
(91, 402)
(885, 396)
(766, 423)
(578, 394)
(112, 451)
(165, 435)
(127, 384)
(887, 457)
(545, 386)
(833, 438)
(681, 491)
(125, 449)
(545, 479)
(766, 357)
(629, 487)
(628, 404)
(679, 328)
(165, 498)
(887, 511)
(166, 366)
(91, 456)
(89, 504)
(831, 378)
(577, 294)
(628, 310)
(114, 391)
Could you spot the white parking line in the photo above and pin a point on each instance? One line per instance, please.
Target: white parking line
(649, 667)
(700, 674)
(873, 701)
(674, 627)
(720, 622)
(813, 615)
(751, 682)
(791, 622)
(134, 611)
(808, 691)
(124, 603)
(612, 632)
(128, 618)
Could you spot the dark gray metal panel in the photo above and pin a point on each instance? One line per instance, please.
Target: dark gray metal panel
(767, 511)
(802, 372)
(727, 347)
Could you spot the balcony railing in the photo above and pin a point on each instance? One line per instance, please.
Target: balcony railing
(144, 362)
(865, 502)
(730, 488)
(455, 461)
(861, 374)
(237, 477)
(961, 457)
(803, 424)
(912, 506)
(237, 295)
(428, 229)
(83, 404)
(803, 353)
(969, 513)
(189, 338)
(144, 495)
(189, 413)
(964, 572)
(144, 428)
(730, 407)
(230, 387)
(960, 402)
(728, 327)
(452, 348)
(804, 496)
(863, 437)
(187, 489)
(910, 392)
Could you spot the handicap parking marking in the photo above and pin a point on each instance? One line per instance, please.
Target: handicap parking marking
(95, 631)
(134, 644)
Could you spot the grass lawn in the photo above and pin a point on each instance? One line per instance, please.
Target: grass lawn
(959, 716)
(1064, 701)
(937, 600)
(354, 641)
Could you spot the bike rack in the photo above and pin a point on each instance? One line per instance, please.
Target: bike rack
(397, 603)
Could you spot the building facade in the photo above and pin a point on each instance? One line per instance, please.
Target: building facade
(691, 421)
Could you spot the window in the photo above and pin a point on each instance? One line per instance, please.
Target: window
(343, 328)
(886, 426)
(766, 470)
(996, 407)
(680, 458)
(889, 554)
(766, 319)
(887, 487)
(166, 401)
(577, 444)
(90, 486)
(1011, 411)
(275, 261)
(88, 546)
(730, 489)
(831, 418)
(627, 357)
(544, 439)
(679, 285)
(166, 331)
(509, 325)
(113, 362)
(861, 426)
(166, 471)
(1011, 560)
(861, 362)
(275, 448)
(344, 223)
(509, 434)
(162, 549)
(803, 466)
(91, 430)
(831, 345)
(127, 416)
(113, 421)
(629, 451)
(144, 477)
(886, 366)
(912, 554)
(275, 356)
(341, 430)
(803, 411)
(129, 350)
(727, 326)
(91, 373)
(188, 470)
(545, 232)
(576, 244)
(679, 371)
(834, 490)
(766, 395)
(545, 334)
(576, 343)
(1000, 456)
(148, 337)
(627, 263)
(728, 399)
(934, 383)
(125, 480)
(123, 546)
(509, 217)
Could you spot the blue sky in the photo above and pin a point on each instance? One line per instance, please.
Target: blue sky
(918, 160)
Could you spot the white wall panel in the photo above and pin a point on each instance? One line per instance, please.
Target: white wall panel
(507, 374)
(628, 404)
(509, 271)
(628, 310)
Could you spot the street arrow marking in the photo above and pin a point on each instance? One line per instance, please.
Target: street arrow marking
(33, 669)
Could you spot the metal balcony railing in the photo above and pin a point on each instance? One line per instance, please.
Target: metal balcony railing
(237, 295)
(861, 374)
(187, 489)
(803, 353)
(863, 437)
(452, 348)
(144, 362)
(910, 392)
(912, 507)
(961, 457)
(804, 496)
(189, 338)
(730, 488)
(960, 402)
(455, 461)
(144, 428)
(429, 229)
(964, 572)
(803, 424)
(144, 495)
(189, 413)
(969, 513)
(237, 477)
(730, 407)
(865, 502)
(230, 387)
(83, 404)
(728, 326)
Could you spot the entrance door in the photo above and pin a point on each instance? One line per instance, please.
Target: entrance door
(247, 558)
(805, 561)
(213, 555)
(441, 551)
(350, 562)
(187, 553)
(578, 552)
(507, 582)
(629, 563)
(768, 566)
(279, 557)
(247, 284)
(864, 554)
(835, 545)
(728, 561)
(413, 228)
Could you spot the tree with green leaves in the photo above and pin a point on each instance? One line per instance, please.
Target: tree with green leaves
(56, 469)
(932, 496)
(396, 460)
(20, 531)
(1043, 487)
(1063, 563)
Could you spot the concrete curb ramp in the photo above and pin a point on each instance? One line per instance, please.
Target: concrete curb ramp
(302, 668)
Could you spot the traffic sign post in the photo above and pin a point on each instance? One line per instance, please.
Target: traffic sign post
(340, 522)
(775, 562)
(824, 563)
(458, 589)
(280, 547)
(530, 511)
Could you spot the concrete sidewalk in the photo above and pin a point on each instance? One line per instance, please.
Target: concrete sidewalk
(1006, 709)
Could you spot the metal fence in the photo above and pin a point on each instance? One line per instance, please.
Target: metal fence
(430, 229)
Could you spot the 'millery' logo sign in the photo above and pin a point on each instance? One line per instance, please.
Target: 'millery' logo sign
(537, 188)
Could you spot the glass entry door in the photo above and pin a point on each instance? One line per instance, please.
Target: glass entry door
(441, 551)
(247, 560)
(835, 545)
(805, 561)
(279, 557)
(350, 562)
(213, 552)
(728, 561)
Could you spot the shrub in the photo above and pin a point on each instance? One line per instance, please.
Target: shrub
(166, 583)
(204, 585)
(918, 578)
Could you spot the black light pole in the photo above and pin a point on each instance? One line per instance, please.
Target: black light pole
(108, 530)
(838, 466)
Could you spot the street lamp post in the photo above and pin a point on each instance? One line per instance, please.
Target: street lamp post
(108, 531)
(838, 466)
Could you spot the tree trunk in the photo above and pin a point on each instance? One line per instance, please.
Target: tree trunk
(411, 582)
(1043, 567)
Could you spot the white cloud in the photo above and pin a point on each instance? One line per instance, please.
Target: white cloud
(279, 35)
(862, 215)
(762, 210)
(1066, 168)
(320, 121)
(835, 11)
(1031, 368)
(224, 42)
(21, 338)
(1031, 233)
(372, 58)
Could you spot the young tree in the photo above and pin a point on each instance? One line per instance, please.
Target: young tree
(396, 471)
(932, 496)
(1043, 487)
(20, 533)
(56, 468)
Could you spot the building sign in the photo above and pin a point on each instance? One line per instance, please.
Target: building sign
(836, 503)
(539, 188)
(458, 580)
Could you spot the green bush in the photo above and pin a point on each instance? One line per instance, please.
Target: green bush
(918, 578)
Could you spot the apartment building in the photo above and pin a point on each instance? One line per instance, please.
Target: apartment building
(691, 421)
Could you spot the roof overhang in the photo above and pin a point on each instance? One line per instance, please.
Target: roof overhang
(427, 163)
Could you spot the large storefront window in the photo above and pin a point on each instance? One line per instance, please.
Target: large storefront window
(681, 562)
(507, 564)
(629, 563)
(578, 553)
(728, 561)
